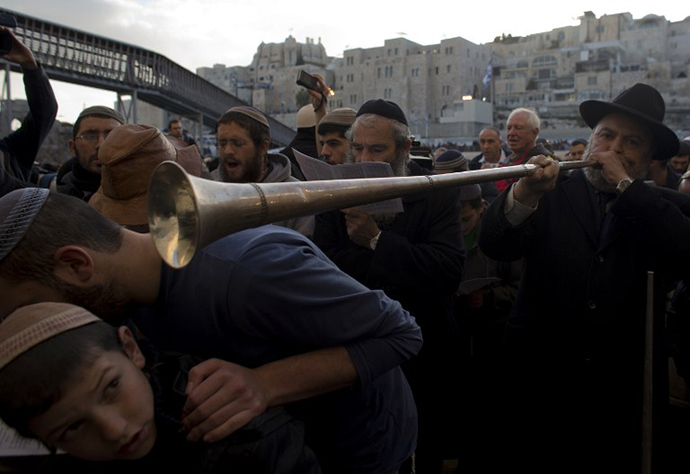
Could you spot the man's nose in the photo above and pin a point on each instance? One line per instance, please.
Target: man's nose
(101, 139)
(617, 145)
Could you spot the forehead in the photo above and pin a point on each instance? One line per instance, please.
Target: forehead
(380, 131)
(232, 130)
(176, 125)
(78, 397)
(487, 134)
(468, 210)
(331, 136)
(577, 146)
(97, 123)
(519, 118)
(624, 124)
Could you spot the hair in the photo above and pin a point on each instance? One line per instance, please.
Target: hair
(77, 124)
(493, 129)
(532, 117)
(172, 122)
(326, 128)
(578, 141)
(259, 133)
(475, 203)
(63, 220)
(37, 379)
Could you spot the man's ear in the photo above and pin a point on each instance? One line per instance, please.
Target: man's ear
(408, 146)
(73, 264)
(264, 148)
(72, 148)
(131, 347)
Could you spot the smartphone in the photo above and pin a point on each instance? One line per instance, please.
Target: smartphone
(307, 80)
(8, 21)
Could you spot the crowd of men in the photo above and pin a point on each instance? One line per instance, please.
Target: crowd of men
(498, 327)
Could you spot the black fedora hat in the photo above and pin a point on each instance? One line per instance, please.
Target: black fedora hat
(644, 103)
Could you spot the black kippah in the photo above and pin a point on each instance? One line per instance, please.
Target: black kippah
(384, 108)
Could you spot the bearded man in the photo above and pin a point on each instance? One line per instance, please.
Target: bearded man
(415, 257)
(243, 136)
(81, 176)
(575, 338)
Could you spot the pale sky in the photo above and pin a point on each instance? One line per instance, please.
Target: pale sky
(196, 33)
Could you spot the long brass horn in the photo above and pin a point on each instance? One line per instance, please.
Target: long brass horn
(187, 213)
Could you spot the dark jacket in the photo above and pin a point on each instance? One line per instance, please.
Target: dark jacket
(74, 180)
(418, 261)
(475, 164)
(21, 146)
(304, 142)
(577, 328)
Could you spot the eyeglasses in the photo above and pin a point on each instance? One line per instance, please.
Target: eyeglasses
(92, 136)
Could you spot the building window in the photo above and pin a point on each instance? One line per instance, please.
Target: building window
(544, 61)
(353, 98)
(592, 81)
(437, 70)
(448, 68)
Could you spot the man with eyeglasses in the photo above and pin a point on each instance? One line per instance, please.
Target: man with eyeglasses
(243, 136)
(18, 150)
(81, 176)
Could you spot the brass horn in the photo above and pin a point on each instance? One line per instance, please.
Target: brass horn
(187, 213)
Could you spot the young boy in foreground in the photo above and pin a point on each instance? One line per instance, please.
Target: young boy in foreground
(87, 388)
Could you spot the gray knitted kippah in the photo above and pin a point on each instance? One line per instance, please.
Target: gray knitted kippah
(18, 210)
(342, 116)
(102, 110)
(252, 113)
(450, 160)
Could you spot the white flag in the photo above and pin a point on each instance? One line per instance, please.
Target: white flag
(487, 76)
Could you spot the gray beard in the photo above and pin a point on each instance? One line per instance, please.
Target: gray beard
(597, 180)
(399, 164)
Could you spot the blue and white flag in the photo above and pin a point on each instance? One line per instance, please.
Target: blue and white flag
(487, 76)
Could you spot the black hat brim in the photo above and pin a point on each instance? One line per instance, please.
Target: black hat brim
(666, 142)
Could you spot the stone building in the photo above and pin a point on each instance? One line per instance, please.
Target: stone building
(440, 87)
(268, 83)
(428, 82)
(556, 70)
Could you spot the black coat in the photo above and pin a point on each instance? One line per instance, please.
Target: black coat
(21, 146)
(418, 261)
(576, 334)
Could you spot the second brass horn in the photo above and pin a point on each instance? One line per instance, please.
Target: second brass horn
(187, 213)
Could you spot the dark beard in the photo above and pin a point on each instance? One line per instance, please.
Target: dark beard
(104, 301)
(250, 174)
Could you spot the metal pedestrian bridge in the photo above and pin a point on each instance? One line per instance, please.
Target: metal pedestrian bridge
(86, 59)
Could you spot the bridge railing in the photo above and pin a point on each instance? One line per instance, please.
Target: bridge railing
(86, 59)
